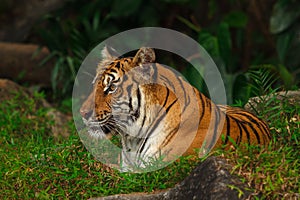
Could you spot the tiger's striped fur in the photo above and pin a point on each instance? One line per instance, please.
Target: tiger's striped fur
(139, 100)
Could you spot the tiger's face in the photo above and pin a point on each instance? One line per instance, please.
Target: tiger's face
(101, 112)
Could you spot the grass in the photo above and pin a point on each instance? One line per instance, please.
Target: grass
(274, 172)
(36, 166)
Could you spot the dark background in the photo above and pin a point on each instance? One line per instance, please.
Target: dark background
(243, 37)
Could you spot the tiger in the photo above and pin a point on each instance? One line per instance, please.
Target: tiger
(154, 111)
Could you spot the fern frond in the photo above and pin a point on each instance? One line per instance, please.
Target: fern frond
(262, 81)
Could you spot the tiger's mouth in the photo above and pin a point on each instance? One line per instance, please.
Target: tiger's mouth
(112, 124)
(105, 129)
(96, 126)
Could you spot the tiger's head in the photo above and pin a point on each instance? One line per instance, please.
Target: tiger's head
(101, 109)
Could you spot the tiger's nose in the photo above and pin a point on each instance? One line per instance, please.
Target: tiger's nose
(101, 115)
(86, 113)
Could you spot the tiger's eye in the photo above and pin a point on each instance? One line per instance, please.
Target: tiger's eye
(112, 87)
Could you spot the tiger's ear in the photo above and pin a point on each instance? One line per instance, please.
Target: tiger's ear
(109, 54)
(143, 56)
(143, 65)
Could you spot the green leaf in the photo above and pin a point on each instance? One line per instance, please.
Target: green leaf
(189, 24)
(241, 89)
(55, 72)
(236, 19)
(71, 66)
(224, 41)
(48, 57)
(285, 13)
(209, 43)
(286, 76)
(125, 8)
(282, 45)
(96, 21)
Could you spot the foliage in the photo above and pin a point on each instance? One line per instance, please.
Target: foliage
(228, 33)
(273, 171)
(284, 24)
(225, 39)
(68, 46)
(71, 38)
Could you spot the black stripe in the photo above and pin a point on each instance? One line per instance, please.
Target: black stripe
(118, 65)
(112, 76)
(128, 89)
(203, 107)
(166, 100)
(238, 139)
(116, 80)
(180, 83)
(264, 131)
(255, 132)
(125, 77)
(244, 126)
(137, 112)
(186, 96)
(143, 145)
(240, 136)
(123, 70)
(143, 122)
(215, 134)
(249, 116)
(130, 105)
(170, 136)
(166, 80)
(159, 120)
(257, 122)
(113, 70)
(227, 129)
(208, 102)
(170, 106)
(167, 97)
(142, 126)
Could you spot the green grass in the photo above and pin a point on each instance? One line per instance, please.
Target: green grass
(36, 166)
(274, 172)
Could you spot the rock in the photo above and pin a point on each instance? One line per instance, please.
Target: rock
(18, 63)
(211, 179)
(292, 97)
(9, 89)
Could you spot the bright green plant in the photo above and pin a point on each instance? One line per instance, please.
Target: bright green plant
(70, 39)
(77, 28)
(272, 171)
(20, 116)
(217, 40)
(68, 46)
